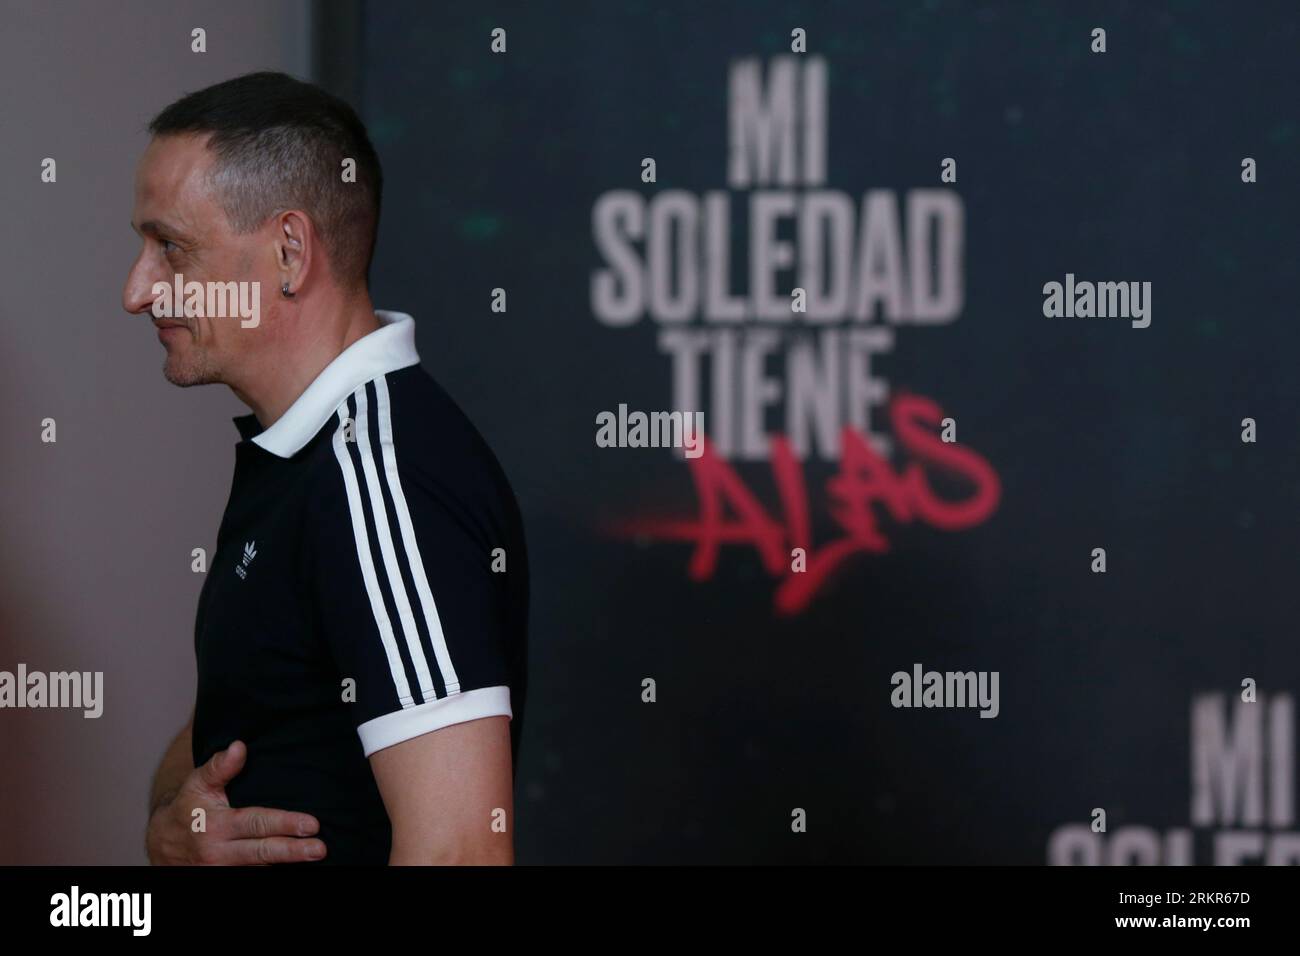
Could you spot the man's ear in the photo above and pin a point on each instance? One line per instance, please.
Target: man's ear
(293, 249)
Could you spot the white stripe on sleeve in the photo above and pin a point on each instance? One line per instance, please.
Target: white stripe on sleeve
(368, 565)
(432, 621)
(392, 566)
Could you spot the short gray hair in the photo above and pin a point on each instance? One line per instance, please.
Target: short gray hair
(280, 144)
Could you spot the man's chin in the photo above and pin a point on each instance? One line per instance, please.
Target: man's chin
(186, 374)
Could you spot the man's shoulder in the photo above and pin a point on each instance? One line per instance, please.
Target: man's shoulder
(404, 424)
(433, 434)
(427, 415)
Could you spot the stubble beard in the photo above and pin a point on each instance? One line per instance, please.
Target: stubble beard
(194, 368)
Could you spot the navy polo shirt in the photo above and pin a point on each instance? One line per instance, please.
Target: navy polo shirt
(370, 584)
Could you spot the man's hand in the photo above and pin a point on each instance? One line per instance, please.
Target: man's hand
(249, 836)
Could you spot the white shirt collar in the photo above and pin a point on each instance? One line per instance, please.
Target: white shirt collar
(388, 348)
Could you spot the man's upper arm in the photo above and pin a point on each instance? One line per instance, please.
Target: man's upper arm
(401, 569)
(418, 625)
(449, 794)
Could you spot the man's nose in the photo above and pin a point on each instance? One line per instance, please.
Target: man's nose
(138, 295)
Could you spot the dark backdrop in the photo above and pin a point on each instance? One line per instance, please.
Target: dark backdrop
(1117, 166)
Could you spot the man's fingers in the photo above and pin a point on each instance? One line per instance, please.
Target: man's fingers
(274, 850)
(254, 823)
(224, 766)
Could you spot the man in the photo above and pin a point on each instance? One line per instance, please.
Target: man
(360, 636)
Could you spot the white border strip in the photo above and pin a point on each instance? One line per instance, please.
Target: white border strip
(400, 725)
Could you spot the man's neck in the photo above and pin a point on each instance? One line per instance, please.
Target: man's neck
(301, 350)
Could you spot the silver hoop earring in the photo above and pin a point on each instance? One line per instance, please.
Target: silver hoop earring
(284, 291)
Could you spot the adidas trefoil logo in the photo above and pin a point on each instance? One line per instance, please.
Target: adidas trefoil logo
(250, 552)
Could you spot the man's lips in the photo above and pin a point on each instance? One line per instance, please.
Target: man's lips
(166, 330)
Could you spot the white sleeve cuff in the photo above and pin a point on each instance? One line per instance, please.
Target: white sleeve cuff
(389, 729)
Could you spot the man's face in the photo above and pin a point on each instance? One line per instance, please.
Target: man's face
(186, 232)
